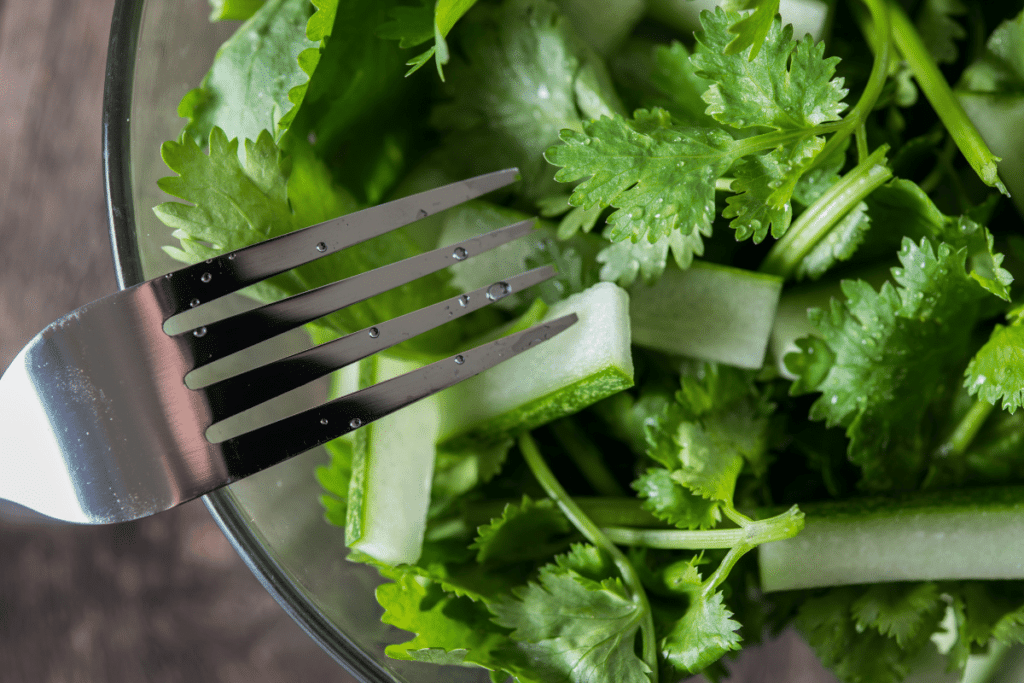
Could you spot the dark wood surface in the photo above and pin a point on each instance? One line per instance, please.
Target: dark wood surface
(162, 600)
(165, 599)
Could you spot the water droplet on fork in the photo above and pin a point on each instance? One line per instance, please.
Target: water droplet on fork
(459, 254)
(321, 246)
(374, 332)
(498, 290)
(422, 213)
(355, 423)
(323, 421)
(205, 277)
(464, 300)
(209, 261)
(459, 360)
(199, 332)
(193, 303)
(231, 257)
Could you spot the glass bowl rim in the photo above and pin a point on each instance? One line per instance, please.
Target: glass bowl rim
(122, 52)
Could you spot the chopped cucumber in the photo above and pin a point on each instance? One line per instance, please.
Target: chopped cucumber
(934, 537)
(708, 311)
(587, 362)
(393, 462)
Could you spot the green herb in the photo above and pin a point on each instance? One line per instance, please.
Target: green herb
(718, 449)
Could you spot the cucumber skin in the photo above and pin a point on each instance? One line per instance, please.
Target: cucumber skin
(946, 535)
(540, 411)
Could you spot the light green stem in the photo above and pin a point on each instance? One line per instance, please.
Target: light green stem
(815, 222)
(593, 533)
(882, 42)
(752, 533)
(968, 427)
(935, 87)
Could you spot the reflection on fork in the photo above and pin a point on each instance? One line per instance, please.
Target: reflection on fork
(99, 424)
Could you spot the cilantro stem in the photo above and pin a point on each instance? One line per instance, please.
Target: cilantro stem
(753, 533)
(882, 42)
(546, 478)
(968, 427)
(815, 222)
(948, 108)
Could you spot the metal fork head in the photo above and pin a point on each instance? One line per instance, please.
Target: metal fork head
(109, 429)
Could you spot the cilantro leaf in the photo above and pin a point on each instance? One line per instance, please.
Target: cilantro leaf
(705, 633)
(787, 85)
(259, 77)
(764, 186)
(525, 77)
(858, 654)
(233, 204)
(523, 531)
(922, 327)
(622, 262)
(902, 203)
(659, 176)
(413, 26)
(574, 627)
(752, 30)
(997, 371)
(939, 28)
(334, 478)
(899, 611)
(669, 499)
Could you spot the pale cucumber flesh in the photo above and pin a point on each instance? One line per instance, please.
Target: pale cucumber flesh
(708, 311)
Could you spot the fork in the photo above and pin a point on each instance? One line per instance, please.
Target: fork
(98, 423)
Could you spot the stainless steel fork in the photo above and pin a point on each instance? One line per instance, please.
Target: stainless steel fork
(98, 425)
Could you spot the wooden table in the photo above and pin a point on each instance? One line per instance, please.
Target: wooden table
(165, 599)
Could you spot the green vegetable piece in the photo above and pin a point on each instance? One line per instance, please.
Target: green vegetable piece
(519, 57)
(524, 531)
(222, 10)
(660, 177)
(413, 26)
(728, 317)
(625, 261)
(997, 371)
(669, 499)
(921, 327)
(705, 633)
(787, 85)
(259, 76)
(574, 626)
(752, 30)
(935, 536)
(897, 612)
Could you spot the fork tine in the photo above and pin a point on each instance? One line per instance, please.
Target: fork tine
(269, 445)
(241, 331)
(230, 272)
(235, 394)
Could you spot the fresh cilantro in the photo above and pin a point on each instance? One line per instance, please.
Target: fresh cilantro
(997, 371)
(523, 531)
(705, 633)
(413, 26)
(260, 75)
(922, 325)
(788, 85)
(752, 30)
(575, 624)
(525, 77)
(233, 204)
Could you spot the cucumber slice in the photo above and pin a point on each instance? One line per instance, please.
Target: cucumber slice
(589, 361)
(393, 463)
(944, 536)
(708, 311)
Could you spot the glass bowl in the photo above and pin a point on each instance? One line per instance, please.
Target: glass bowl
(160, 49)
